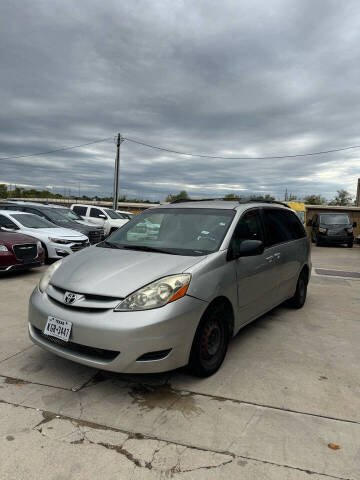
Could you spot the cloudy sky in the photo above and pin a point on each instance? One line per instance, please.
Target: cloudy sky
(231, 78)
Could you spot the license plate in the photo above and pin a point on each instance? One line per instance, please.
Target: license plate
(58, 328)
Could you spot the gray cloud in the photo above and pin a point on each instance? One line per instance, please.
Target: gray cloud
(224, 78)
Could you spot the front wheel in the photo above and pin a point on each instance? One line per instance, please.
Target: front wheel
(298, 300)
(210, 343)
(350, 245)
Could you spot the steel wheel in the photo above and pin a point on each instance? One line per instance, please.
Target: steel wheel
(210, 343)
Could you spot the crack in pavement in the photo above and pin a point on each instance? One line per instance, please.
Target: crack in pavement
(14, 354)
(48, 416)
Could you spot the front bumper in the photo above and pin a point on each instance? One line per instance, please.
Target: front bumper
(21, 266)
(58, 250)
(335, 239)
(129, 335)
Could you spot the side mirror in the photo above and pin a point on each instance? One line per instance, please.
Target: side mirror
(248, 248)
(309, 223)
(354, 224)
(102, 215)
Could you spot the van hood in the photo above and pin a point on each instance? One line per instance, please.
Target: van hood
(59, 232)
(116, 273)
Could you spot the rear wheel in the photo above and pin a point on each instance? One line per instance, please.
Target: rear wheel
(350, 245)
(298, 300)
(210, 343)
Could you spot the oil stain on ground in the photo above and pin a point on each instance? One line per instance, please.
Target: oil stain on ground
(164, 397)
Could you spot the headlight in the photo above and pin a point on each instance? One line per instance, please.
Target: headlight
(3, 249)
(350, 230)
(45, 279)
(156, 294)
(322, 230)
(59, 240)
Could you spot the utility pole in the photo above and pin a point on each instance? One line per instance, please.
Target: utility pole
(119, 141)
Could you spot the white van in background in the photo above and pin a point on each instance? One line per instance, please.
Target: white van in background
(106, 217)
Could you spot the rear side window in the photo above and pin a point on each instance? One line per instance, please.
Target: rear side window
(96, 213)
(80, 210)
(281, 226)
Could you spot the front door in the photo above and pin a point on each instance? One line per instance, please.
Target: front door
(256, 276)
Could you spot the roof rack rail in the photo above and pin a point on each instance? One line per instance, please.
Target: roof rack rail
(238, 200)
(183, 200)
(277, 202)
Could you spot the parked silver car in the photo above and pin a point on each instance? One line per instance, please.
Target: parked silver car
(157, 302)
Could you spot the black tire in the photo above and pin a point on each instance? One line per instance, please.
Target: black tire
(299, 299)
(210, 343)
(350, 245)
(318, 243)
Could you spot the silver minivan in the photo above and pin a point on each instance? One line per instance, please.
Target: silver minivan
(172, 286)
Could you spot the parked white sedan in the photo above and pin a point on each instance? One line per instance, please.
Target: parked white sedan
(57, 242)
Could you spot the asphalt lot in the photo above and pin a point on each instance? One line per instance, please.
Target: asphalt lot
(290, 386)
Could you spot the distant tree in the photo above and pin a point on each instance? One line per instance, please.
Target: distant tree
(259, 198)
(314, 200)
(292, 198)
(183, 195)
(343, 197)
(231, 196)
(3, 191)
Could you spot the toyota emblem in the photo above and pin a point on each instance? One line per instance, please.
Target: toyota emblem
(70, 297)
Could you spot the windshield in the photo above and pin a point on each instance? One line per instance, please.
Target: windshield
(66, 212)
(56, 216)
(334, 219)
(32, 221)
(112, 213)
(179, 231)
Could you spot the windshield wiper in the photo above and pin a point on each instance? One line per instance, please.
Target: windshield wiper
(107, 244)
(145, 248)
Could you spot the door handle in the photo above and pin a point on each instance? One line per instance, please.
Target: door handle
(270, 259)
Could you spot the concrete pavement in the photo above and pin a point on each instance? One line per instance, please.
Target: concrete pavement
(290, 386)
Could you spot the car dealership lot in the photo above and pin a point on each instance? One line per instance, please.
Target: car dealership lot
(290, 385)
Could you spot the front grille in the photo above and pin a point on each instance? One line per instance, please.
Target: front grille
(79, 245)
(95, 236)
(26, 251)
(96, 353)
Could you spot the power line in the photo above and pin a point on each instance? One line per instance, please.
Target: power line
(61, 149)
(239, 158)
(177, 152)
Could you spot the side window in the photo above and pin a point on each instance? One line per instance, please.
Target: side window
(248, 228)
(277, 229)
(96, 213)
(293, 223)
(80, 210)
(7, 223)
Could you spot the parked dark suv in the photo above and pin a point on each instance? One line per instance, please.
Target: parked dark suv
(332, 228)
(61, 216)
